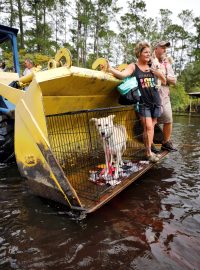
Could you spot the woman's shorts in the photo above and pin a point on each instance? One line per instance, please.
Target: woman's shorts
(153, 112)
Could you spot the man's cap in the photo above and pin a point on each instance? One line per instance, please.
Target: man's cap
(162, 44)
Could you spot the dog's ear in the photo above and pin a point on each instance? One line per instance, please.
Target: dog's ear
(93, 120)
(112, 116)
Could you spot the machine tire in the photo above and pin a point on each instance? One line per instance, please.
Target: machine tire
(6, 139)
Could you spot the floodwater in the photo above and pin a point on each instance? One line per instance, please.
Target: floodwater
(153, 224)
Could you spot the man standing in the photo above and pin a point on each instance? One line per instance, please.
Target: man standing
(164, 91)
(28, 63)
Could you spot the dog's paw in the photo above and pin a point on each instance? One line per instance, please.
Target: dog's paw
(116, 176)
(120, 169)
(113, 182)
(105, 174)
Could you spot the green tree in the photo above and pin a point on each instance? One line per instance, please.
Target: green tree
(190, 77)
(186, 18)
(196, 40)
(8, 11)
(21, 25)
(179, 98)
(150, 30)
(131, 28)
(164, 22)
(102, 12)
(126, 37)
(136, 8)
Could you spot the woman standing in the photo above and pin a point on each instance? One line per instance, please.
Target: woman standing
(150, 104)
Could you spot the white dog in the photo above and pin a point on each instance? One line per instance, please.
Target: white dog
(114, 142)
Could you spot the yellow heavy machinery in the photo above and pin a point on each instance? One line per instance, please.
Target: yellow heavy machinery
(57, 147)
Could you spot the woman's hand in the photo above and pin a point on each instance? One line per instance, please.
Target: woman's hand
(105, 67)
(117, 73)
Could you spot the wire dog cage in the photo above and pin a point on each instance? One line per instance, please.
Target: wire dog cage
(77, 146)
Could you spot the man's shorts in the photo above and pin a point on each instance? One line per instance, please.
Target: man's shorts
(153, 112)
(166, 113)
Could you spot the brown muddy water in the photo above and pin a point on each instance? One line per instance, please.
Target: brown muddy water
(153, 224)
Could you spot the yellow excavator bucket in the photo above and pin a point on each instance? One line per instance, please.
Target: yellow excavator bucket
(58, 148)
(54, 92)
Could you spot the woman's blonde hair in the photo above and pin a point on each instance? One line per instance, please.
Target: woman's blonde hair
(140, 46)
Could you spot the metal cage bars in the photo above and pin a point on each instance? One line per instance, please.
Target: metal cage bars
(78, 148)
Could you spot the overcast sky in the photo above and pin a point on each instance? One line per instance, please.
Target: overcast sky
(176, 6)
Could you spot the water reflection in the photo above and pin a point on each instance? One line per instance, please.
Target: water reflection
(154, 224)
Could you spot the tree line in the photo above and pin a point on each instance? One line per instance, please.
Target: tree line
(101, 28)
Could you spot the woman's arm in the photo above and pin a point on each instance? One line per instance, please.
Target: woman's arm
(122, 74)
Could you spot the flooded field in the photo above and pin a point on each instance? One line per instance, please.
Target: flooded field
(153, 224)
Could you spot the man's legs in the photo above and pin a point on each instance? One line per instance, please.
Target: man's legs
(167, 144)
(167, 120)
(167, 131)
